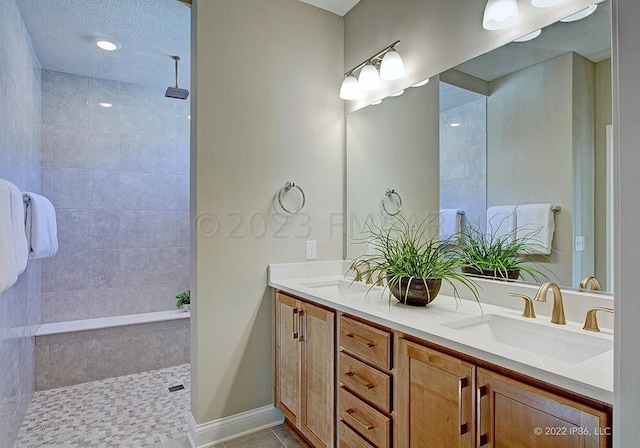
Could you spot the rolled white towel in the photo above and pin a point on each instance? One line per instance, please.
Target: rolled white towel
(449, 223)
(42, 230)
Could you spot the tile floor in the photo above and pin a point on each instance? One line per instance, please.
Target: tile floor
(129, 411)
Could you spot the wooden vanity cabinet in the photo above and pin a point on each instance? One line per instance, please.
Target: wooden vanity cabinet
(435, 398)
(304, 354)
(514, 414)
(443, 401)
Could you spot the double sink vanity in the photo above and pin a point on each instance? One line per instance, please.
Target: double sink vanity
(357, 369)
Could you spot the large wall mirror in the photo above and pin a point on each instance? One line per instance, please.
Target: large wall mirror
(526, 123)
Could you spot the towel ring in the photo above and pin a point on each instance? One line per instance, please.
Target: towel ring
(388, 194)
(287, 187)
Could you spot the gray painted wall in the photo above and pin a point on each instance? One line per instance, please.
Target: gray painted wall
(266, 83)
(20, 148)
(119, 179)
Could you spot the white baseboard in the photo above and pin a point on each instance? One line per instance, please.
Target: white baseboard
(228, 428)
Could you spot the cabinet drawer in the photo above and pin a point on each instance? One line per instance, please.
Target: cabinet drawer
(371, 384)
(365, 420)
(366, 341)
(350, 439)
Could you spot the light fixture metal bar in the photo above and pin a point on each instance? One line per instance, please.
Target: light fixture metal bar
(372, 58)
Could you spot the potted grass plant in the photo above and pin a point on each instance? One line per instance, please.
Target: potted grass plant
(414, 265)
(497, 256)
(183, 301)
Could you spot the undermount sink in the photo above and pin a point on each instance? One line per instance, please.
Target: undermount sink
(553, 342)
(339, 287)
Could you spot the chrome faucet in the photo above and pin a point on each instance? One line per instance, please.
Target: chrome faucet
(589, 279)
(557, 315)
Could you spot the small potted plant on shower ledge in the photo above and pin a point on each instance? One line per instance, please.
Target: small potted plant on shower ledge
(499, 257)
(414, 265)
(184, 301)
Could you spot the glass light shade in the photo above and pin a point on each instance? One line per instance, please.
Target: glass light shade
(546, 3)
(528, 37)
(369, 78)
(107, 45)
(500, 14)
(349, 89)
(580, 14)
(421, 83)
(391, 66)
(398, 93)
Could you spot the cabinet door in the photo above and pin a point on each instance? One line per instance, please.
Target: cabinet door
(288, 357)
(513, 414)
(318, 410)
(435, 399)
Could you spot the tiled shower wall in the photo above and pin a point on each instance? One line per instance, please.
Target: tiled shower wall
(20, 114)
(463, 161)
(119, 179)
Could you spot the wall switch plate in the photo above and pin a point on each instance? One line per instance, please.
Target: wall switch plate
(311, 249)
(579, 243)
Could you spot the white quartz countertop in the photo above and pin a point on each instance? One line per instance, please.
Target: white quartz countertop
(592, 377)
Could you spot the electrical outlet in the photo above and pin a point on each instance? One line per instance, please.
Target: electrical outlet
(579, 243)
(311, 249)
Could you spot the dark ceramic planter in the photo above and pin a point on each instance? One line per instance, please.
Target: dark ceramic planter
(418, 295)
(512, 274)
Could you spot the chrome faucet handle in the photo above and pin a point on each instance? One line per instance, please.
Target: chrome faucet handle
(557, 315)
(589, 279)
(529, 312)
(591, 320)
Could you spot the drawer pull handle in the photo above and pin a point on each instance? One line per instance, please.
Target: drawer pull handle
(295, 323)
(481, 391)
(358, 418)
(361, 340)
(360, 380)
(462, 383)
(301, 319)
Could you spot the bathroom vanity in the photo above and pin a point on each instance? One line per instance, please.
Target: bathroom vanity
(353, 369)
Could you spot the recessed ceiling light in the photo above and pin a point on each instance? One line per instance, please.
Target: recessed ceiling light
(454, 125)
(528, 37)
(421, 83)
(581, 14)
(104, 104)
(107, 44)
(398, 93)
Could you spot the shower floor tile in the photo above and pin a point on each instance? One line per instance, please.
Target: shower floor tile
(126, 411)
(131, 411)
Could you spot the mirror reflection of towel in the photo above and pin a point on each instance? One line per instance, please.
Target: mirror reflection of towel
(449, 223)
(536, 224)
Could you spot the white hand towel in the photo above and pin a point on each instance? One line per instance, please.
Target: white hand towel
(501, 222)
(42, 230)
(536, 224)
(449, 223)
(13, 241)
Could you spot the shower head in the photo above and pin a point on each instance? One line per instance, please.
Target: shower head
(176, 92)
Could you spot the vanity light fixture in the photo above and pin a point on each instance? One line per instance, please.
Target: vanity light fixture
(107, 45)
(500, 14)
(386, 64)
(421, 83)
(369, 78)
(546, 3)
(586, 12)
(528, 37)
(398, 93)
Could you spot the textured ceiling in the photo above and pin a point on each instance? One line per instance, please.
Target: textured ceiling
(149, 32)
(590, 37)
(340, 7)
